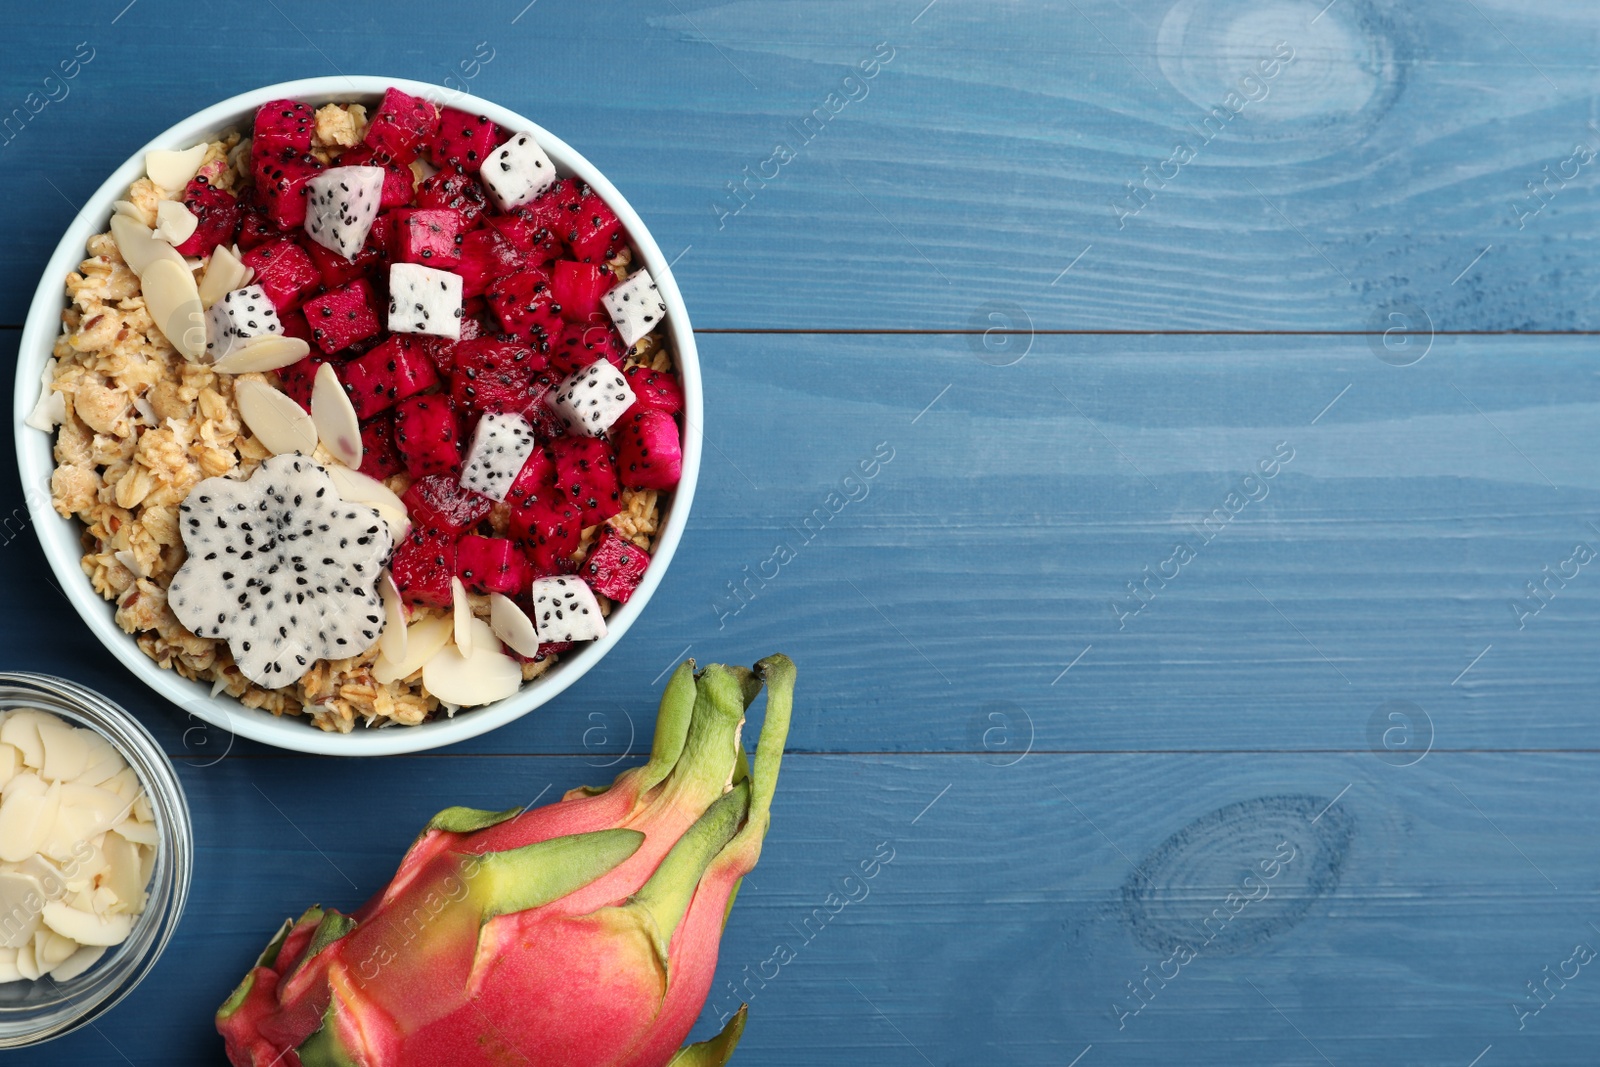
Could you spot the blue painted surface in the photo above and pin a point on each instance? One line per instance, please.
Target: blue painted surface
(1066, 783)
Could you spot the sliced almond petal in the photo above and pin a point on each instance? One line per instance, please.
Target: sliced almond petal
(140, 833)
(139, 247)
(85, 927)
(49, 411)
(10, 762)
(392, 642)
(463, 617)
(424, 638)
(512, 625)
(54, 950)
(27, 966)
(128, 208)
(335, 416)
(66, 751)
(482, 677)
(27, 817)
(174, 170)
(173, 300)
(270, 351)
(175, 223)
(15, 889)
(77, 963)
(354, 487)
(21, 728)
(279, 423)
(224, 273)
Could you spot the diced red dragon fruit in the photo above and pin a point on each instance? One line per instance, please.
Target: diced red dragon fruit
(284, 270)
(379, 456)
(282, 127)
(256, 229)
(428, 435)
(581, 343)
(402, 126)
(536, 481)
(494, 375)
(464, 140)
(398, 180)
(281, 188)
(557, 207)
(523, 303)
(658, 390)
(397, 369)
(452, 189)
(489, 564)
(614, 566)
(430, 236)
(423, 565)
(295, 325)
(649, 452)
(335, 269)
(298, 378)
(217, 217)
(485, 256)
(439, 501)
(596, 232)
(578, 287)
(587, 476)
(344, 316)
(536, 242)
(549, 532)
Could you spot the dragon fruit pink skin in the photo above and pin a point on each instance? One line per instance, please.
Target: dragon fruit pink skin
(584, 933)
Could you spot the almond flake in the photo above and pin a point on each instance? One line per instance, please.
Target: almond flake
(174, 170)
(392, 642)
(173, 300)
(139, 248)
(270, 351)
(224, 273)
(424, 639)
(512, 625)
(335, 417)
(175, 223)
(277, 422)
(463, 617)
(480, 677)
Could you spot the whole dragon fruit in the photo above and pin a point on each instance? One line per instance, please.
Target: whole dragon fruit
(580, 934)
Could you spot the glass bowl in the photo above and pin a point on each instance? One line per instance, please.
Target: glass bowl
(31, 1012)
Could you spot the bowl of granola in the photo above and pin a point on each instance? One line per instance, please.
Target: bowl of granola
(355, 403)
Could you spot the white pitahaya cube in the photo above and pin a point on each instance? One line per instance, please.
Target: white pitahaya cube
(424, 300)
(591, 399)
(341, 204)
(635, 306)
(500, 446)
(564, 609)
(237, 316)
(517, 171)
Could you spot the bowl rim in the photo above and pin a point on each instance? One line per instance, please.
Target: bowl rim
(59, 537)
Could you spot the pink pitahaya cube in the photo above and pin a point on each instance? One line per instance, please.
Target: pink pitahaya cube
(587, 473)
(649, 451)
(402, 126)
(614, 566)
(284, 271)
(429, 435)
(397, 369)
(344, 316)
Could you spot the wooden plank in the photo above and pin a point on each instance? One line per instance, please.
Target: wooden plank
(1386, 167)
(980, 562)
(1399, 926)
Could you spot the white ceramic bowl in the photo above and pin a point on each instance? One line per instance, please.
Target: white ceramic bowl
(60, 536)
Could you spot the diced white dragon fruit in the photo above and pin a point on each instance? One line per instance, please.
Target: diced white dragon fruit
(240, 314)
(281, 569)
(635, 306)
(500, 446)
(340, 206)
(517, 171)
(424, 300)
(591, 399)
(564, 609)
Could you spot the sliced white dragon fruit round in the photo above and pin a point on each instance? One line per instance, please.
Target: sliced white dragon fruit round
(341, 204)
(635, 306)
(239, 315)
(501, 444)
(424, 300)
(593, 398)
(517, 171)
(281, 569)
(564, 609)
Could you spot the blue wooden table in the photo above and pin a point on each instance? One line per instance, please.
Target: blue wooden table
(1230, 579)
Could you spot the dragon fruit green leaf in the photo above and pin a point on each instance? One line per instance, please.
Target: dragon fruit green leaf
(237, 316)
(501, 444)
(517, 171)
(280, 568)
(635, 306)
(341, 204)
(590, 400)
(424, 300)
(564, 609)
